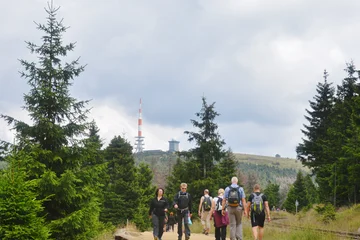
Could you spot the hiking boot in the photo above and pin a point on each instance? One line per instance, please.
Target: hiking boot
(187, 237)
(204, 231)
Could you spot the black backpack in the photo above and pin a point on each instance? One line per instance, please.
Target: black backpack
(218, 206)
(183, 200)
(207, 203)
(234, 197)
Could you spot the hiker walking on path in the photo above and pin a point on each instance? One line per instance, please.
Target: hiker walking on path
(182, 203)
(171, 222)
(220, 221)
(158, 206)
(234, 196)
(258, 204)
(204, 211)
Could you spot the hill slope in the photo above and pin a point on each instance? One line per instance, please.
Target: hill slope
(266, 169)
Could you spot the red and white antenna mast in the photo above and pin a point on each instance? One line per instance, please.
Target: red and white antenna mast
(139, 142)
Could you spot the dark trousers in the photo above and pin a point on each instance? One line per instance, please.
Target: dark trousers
(183, 215)
(158, 225)
(220, 233)
(169, 227)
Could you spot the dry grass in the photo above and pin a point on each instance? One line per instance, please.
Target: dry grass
(347, 219)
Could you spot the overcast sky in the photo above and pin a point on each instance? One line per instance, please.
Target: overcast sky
(259, 60)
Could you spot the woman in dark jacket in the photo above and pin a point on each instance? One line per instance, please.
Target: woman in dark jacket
(158, 206)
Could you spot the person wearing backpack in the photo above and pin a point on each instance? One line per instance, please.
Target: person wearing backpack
(158, 207)
(204, 211)
(220, 221)
(257, 204)
(234, 197)
(183, 203)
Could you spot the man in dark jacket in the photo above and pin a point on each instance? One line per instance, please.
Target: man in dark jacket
(182, 202)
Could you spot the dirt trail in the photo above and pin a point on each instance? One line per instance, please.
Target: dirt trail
(166, 236)
(173, 236)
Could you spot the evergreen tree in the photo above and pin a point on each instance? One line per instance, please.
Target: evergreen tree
(311, 151)
(297, 193)
(178, 175)
(201, 162)
(147, 192)
(121, 195)
(299, 186)
(59, 120)
(209, 145)
(342, 143)
(227, 169)
(272, 192)
(20, 211)
(311, 191)
(289, 203)
(252, 179)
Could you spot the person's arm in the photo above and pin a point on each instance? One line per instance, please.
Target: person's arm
(166, 205)
(245, 208)
(225, 197)
(151, 207)
(248, 207)
(200, 205)
(190, 205)
(176, 200)
(267, 210)
(243, 201)
(212, 210)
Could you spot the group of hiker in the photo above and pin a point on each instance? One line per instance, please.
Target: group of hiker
(227, 208)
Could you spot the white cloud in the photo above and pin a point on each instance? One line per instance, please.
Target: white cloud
(113, 120)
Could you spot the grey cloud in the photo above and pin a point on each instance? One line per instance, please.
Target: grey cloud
(258, 60)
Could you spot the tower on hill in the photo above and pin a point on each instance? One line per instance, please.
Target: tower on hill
(139, 139)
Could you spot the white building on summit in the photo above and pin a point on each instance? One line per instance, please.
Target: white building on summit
(173, 146)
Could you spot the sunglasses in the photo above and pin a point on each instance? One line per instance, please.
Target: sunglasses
(183, 188)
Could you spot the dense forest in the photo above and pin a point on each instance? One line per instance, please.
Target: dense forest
(59, 181)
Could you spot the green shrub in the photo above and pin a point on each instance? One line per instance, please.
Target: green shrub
(327, 212)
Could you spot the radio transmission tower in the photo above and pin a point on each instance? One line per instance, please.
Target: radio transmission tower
(139, 139)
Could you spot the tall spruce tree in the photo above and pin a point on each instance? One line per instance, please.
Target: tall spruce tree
(58, 121)
(297, 193)
(342, 143)
(289, 203)
(209, 145)
(121, 194)
(313, 151)
(310, 151)
(199, 166)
